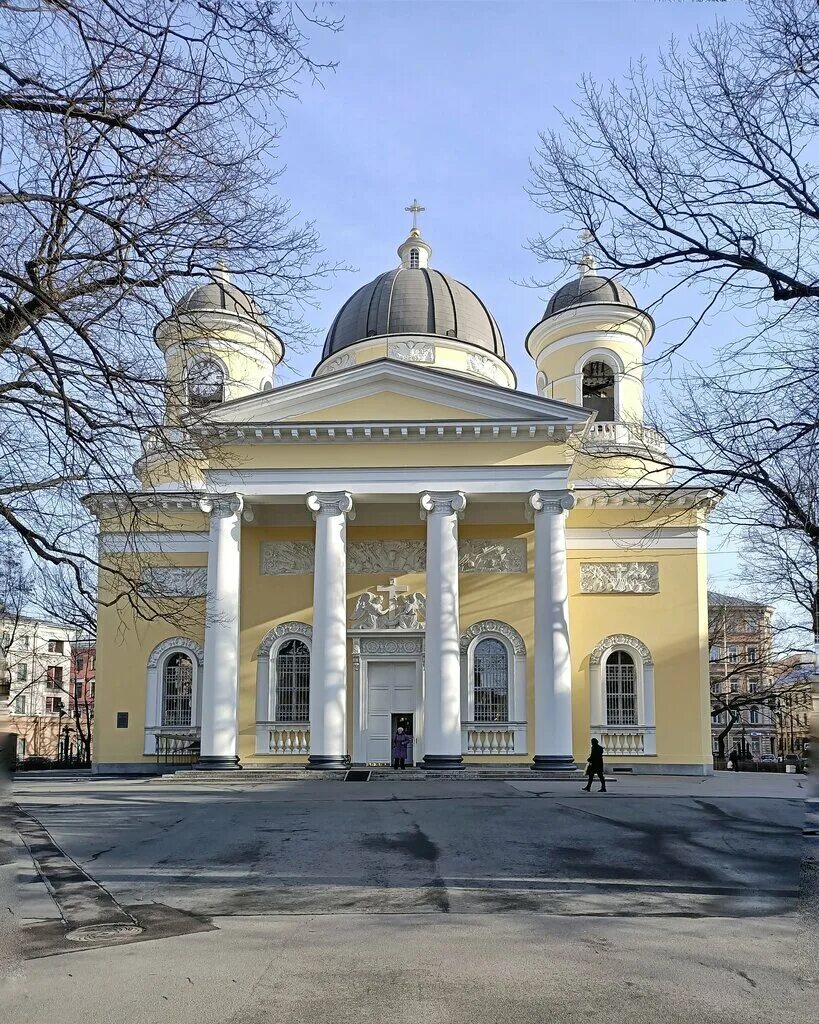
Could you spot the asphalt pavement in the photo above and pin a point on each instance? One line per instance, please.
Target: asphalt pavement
(487, 901)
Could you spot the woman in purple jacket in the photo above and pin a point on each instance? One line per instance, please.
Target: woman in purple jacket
(400, 742)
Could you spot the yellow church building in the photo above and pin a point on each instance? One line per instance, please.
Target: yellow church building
(406, 538)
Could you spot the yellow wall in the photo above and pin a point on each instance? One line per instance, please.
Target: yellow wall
(124, 643)
(672, 624)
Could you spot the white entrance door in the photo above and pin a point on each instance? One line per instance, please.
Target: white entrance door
(391, 689)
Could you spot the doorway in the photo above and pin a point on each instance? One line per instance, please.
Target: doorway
(391, 693)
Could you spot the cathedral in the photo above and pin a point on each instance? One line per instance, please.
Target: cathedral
(407, 539)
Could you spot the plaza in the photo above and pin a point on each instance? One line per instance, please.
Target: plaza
(521, 900)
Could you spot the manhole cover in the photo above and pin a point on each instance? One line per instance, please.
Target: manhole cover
(103, 932)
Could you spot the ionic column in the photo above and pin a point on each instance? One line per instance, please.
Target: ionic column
(442, 656)
(328, 662)
(553, 667)
(220, 674)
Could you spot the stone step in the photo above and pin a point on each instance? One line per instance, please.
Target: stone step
(264, 776)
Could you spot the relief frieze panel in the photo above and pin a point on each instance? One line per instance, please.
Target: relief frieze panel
(619, 577)
(365, 558)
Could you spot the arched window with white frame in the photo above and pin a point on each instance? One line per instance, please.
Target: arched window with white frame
(621, 683)
(283, 689)
(493, 689)
(293, 681)
(414, 259)
(177, 690)
(173, 690)
(490, 680)
(621, 689)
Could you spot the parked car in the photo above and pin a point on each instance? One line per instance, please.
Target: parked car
(767, 759)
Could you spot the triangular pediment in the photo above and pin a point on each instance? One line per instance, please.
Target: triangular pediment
(386, 391)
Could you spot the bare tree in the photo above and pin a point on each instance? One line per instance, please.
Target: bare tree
(137, 151)
(703, 169)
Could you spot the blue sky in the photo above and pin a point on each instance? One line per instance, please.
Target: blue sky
(444, 101)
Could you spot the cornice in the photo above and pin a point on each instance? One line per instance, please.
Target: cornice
(395, 430)
(705, 498)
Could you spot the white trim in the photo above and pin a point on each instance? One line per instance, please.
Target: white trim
(201, 346)
(153, 687)
(644, 671)
(383, 431)
(586, 338)
(502, 482)
(153, 542)
(266, 675)
(515, 647)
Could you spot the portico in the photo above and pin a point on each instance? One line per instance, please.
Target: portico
(389, 626)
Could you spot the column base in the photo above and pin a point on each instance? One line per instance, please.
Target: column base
(325, 762)
(444, 762)
(553, 763)
(217, 763)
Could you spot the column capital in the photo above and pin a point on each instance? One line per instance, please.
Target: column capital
(553, 502)
(331, 503)
(442, 503)
(222, 505)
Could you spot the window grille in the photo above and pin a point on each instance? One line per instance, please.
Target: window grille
(621, 693)
(206, 384)
(177, 690)
(491, 681)
(293, 682)
(415, 259)
(598, 389)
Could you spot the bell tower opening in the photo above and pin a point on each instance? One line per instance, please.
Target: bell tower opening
(598, 389)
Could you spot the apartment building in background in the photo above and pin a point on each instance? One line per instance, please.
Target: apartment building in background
(740, 667)
(36, 669)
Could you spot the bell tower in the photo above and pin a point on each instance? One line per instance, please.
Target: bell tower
(217, 347)
(589, 349)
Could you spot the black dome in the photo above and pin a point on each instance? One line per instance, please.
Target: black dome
(586, 290)
(414, 301)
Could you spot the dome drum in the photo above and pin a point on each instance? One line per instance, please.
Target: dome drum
(445, 354)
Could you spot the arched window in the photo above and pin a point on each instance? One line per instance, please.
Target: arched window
(177, 690)
(415, 259)
(293, 682)
(206, 384)
(621, 690)
(490, 679)
(598, 389)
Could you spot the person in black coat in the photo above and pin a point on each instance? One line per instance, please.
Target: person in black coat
(595, 767)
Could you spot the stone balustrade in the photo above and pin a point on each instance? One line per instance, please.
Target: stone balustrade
(493, 738)
(288, 737)
(625, 741)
